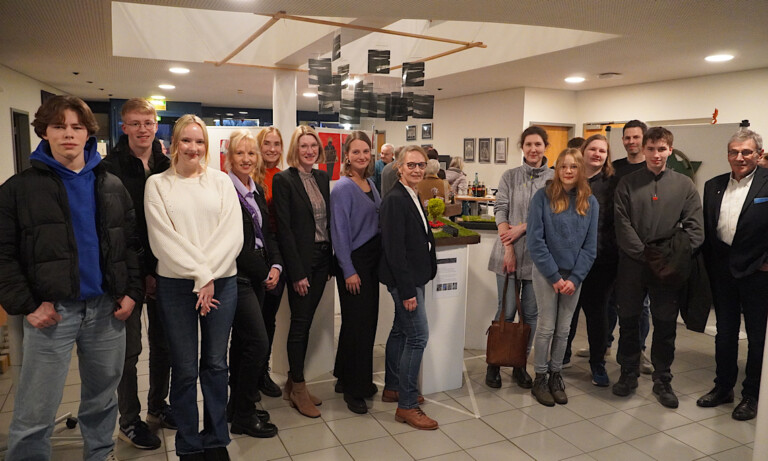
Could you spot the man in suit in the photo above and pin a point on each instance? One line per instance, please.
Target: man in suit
(736, 252)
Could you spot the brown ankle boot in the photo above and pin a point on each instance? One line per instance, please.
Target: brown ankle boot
(415, 418)
(299, 398)
(287, 392)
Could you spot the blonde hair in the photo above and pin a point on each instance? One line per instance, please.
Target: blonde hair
(182, 123)
(607, 168)
(559, 199)
(457, 162)
(412, 148)
(263, 135)
(293, 150)
(245, 136)
(345, 167)
(139, 105)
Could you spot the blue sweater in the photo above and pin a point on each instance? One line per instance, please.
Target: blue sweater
(354, 220)
(564, 241)
(81, 195)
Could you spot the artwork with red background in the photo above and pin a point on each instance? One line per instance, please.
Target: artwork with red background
(223, 146)
(332, 146)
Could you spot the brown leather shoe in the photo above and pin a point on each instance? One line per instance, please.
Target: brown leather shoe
(287, 393)
(415, 418)
(300, 400)
(394, 396)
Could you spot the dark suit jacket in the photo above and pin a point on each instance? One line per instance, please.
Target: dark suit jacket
(407, 260)
(250, 263)
(750, 243)
(296, 221)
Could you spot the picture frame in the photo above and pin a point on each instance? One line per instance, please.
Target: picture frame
(410, 132)
(484, 150)
(500, 150)
(426, 131)
(469, 149)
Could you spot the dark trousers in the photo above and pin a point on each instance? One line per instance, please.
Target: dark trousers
(303, 310)
(159, 366)
(249, 349)
(596, 289)
(359, 316)
(633, 281)
(269, 309)
(732, 297)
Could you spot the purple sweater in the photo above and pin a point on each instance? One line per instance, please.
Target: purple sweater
(354, 220)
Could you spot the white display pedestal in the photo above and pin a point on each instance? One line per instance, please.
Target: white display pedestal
(443, 363)
(320, 351)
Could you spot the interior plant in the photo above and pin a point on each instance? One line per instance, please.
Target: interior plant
(435, 210)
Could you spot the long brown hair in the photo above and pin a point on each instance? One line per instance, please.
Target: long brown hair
(559, 199)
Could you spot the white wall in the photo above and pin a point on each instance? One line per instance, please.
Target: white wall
(20, 92)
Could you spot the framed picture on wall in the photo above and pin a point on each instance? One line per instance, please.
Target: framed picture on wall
(410, 132)
(426, 131)
(469, 149)
(484, 150)
(500, 150)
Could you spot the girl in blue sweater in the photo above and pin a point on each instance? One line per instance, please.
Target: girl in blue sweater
(562, 241)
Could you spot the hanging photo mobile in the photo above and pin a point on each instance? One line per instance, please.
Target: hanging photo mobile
(343, 73)
(336, 46)
(350, 112)
(413, 74)
(326, 96)
(397, 108)
(320, 72)
(423, 106)
(378, 61)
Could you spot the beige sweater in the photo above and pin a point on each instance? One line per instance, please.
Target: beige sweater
(194, 224)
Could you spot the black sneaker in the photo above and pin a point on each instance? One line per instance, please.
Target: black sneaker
(626, 383)
(664, 394)
(163, 418)
(139, 435)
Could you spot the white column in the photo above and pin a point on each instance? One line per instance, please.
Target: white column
(284, 104)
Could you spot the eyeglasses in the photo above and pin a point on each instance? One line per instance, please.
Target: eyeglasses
(413, 165)
(744, 153)
(137, 125)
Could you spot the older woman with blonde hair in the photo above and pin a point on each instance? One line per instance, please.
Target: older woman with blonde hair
(456, 177)
(195, 231)
(302, 205)
(355, 206)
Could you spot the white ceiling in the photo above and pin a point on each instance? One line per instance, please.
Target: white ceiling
(126, 48)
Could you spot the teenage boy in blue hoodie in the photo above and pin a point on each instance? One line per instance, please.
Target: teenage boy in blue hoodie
(69, 263)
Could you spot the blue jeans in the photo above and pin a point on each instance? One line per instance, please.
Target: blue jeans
(527, 303)
(177, 305)
(405, 348)
(100, 339)
(555, 313)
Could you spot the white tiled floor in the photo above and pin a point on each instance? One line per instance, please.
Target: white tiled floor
(479, 423)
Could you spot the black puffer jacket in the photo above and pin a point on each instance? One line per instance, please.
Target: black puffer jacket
(38, 252)
(130, 170)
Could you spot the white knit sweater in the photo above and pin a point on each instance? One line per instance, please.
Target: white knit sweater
(194, 224)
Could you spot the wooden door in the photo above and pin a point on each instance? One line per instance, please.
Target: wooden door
(380, 140)
(590, 129)
(558, 141)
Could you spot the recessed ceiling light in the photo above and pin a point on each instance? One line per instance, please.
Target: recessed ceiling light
(574, 79)
(166, 86)
(309, 94)
(719, 58)
(244, 113)
(179, 70)
(229, 115)
(157, 96)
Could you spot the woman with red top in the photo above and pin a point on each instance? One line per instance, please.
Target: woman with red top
(270, 143)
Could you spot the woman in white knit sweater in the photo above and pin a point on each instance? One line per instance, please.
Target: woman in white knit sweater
(195, 230)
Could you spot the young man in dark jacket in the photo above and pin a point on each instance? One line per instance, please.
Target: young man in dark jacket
(69, 263)
(137, 156)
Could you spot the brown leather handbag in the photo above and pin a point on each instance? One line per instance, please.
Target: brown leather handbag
(508, 341)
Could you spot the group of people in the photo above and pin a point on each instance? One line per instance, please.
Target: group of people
(618, 239)
(85, 242)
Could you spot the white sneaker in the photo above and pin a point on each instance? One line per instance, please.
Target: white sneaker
(646, 367)
(583, 352)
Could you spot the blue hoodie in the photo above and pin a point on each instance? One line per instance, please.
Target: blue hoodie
(81, 195)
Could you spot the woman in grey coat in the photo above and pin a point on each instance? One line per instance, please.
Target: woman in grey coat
(510, 256)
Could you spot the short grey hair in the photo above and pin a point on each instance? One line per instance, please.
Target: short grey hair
(388, 145)
(433, 166)
(745, 135)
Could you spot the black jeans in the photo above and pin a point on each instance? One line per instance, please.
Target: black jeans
(303, 310)
(159, 366)
(359, 317)
(596, 289)
(632, 282)
(269, 309)
(249, 349)
(732, 297)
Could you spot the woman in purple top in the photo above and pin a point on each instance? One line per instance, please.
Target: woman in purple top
(355, 205)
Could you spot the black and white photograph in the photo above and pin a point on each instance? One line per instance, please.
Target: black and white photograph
(500, 150)
(426, 131)
(469, 149)
(410, 132)
(484, 150)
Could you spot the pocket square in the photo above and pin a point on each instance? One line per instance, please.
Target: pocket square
(761, 200)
